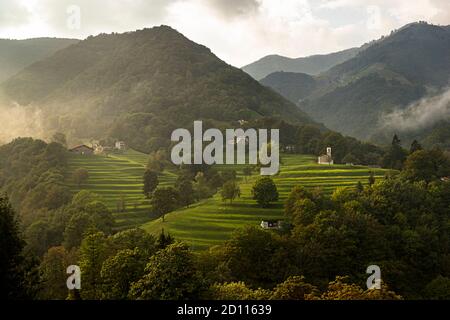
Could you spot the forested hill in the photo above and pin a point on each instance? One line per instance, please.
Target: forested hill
(139, 86)
(18, 54)
(390, 74)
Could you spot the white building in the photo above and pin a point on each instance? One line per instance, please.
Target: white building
(271, 225)
(120, 145)
(326, 158)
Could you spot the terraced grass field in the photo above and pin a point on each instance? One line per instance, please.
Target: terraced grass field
(118, 176)
(211, 221)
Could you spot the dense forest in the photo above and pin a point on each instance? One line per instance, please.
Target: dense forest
(400, 223)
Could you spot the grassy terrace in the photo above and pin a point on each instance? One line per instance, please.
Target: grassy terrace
(211, 221)
(116, 176)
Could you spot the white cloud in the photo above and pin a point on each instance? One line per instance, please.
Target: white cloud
(419, 114)
(239, 31)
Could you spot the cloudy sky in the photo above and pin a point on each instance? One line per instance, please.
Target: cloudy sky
(238, 31)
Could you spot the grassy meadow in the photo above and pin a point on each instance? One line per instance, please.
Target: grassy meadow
(118, 176)
(211, 221)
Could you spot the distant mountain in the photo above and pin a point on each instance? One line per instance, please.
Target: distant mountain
(312, 65)
(387, 76)
(139, 86)
(293, 86)
(18, 54)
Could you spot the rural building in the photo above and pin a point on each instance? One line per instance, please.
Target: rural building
(120, 145)
(83, 150)
(326, 158)
(271, 224)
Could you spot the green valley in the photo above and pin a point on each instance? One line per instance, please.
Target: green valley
(118, 177)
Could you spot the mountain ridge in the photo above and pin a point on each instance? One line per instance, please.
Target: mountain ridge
(312, 65)
(18, 54)
(387, 76)
(139, 86)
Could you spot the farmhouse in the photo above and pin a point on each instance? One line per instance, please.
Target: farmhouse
(120, 145)
(82, 149)
(326, 158)
(271, 224)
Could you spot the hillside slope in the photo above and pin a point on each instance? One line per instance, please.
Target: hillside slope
(117, 178)
(18, 54)
(291, 85)
(390, 74)
(139, 86)
(211, 222)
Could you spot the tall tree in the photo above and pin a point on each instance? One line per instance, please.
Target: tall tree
(230, 191)
(164, 240)
(150, 182)
(170, 275)
(53, 273)
(185, 191)
(415, 146)
(93, 252)
(11, 246)
(395, 155)
(164, 200)
(265, 191)
(120, 271)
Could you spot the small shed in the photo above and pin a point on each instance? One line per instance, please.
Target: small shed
(271, 224)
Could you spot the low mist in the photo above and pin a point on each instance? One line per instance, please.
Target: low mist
(18, 121)
(420, 114)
